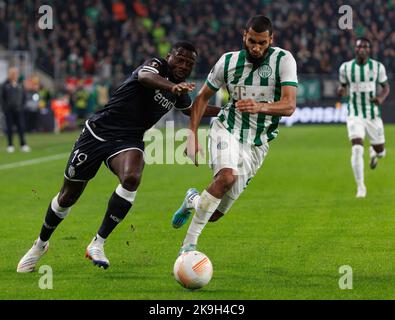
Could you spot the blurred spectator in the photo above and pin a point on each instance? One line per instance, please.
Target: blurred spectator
(45, 98)
(46, 118)
(89, 63)
(3, 23)
(80, 100)
(32, 104)
(119, 10)
(13, 98)
(61, 109)
(107, 33)
(102, 89)
(140, 9)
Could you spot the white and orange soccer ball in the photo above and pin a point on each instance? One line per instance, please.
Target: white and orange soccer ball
(193, 270)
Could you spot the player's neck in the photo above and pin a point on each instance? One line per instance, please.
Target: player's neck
(257, 62)
(173, 79)
(362, 61)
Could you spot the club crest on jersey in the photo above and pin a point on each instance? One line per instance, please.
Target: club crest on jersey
(71, 171)
(154, 64)
(222, 145)
(265, 71)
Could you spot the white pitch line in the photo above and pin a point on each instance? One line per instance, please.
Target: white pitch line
(33, 161)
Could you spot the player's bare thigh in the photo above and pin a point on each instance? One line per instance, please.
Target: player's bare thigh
(379, 148)
(223, 181)
(70, 192)
(356, 141)
(128, 166)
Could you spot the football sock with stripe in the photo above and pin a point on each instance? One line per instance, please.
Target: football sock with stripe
(118, 206)
(55, 215)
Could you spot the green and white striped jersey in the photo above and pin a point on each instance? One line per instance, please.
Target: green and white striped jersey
(262, 83)
(362, 81)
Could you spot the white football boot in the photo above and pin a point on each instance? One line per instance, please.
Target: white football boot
(10, 149)
(25, 148)
(30, 259)
(95, 252)
(361, 192)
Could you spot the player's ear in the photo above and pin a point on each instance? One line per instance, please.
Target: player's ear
(244, 35)
(168, 56)
(271, 39)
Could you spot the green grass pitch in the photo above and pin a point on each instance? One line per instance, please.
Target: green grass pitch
(286, 237)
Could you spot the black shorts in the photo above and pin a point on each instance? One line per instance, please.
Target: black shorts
(88, 154)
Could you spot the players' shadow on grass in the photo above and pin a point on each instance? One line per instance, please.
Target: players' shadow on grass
(136, 275)
(69, 238)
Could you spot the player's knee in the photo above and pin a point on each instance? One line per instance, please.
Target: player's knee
(67, 199)
(131, 181)
(226, 179)
(357, 141)
(216, 216)
(378, 148)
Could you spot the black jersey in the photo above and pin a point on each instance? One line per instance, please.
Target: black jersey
(133, 108)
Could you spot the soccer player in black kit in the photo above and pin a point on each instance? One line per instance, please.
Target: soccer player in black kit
(114, 135)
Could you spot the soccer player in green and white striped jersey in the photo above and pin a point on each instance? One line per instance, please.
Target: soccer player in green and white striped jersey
(362, 75)
(262, 84)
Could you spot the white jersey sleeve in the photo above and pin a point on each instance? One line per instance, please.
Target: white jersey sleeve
(342, 74)
(382, 75)
(287, 69)
(215, 79)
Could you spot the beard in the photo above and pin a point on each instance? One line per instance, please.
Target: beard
(255, 61)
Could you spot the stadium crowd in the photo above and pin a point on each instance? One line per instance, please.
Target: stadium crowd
(94, 43)
(107, 37)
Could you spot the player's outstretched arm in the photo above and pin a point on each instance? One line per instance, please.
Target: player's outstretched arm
(155, 81)
(211, 111)
(284, 107)
(198, 109)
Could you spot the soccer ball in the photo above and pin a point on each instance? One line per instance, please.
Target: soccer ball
(193, 270)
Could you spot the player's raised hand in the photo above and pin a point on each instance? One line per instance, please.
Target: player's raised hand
(193, 147)
(182, 88)
(248, 105)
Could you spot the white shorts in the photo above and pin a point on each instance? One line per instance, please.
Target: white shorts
(373, 128)
(226, 151)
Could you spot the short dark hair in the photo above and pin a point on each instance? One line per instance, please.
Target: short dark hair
(363, 39)
(184, 44)
(259, 24)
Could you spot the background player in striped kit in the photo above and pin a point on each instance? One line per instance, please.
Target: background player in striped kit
(362, 75)
(262, 83)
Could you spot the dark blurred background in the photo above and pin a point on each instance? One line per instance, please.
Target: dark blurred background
(94, 44)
